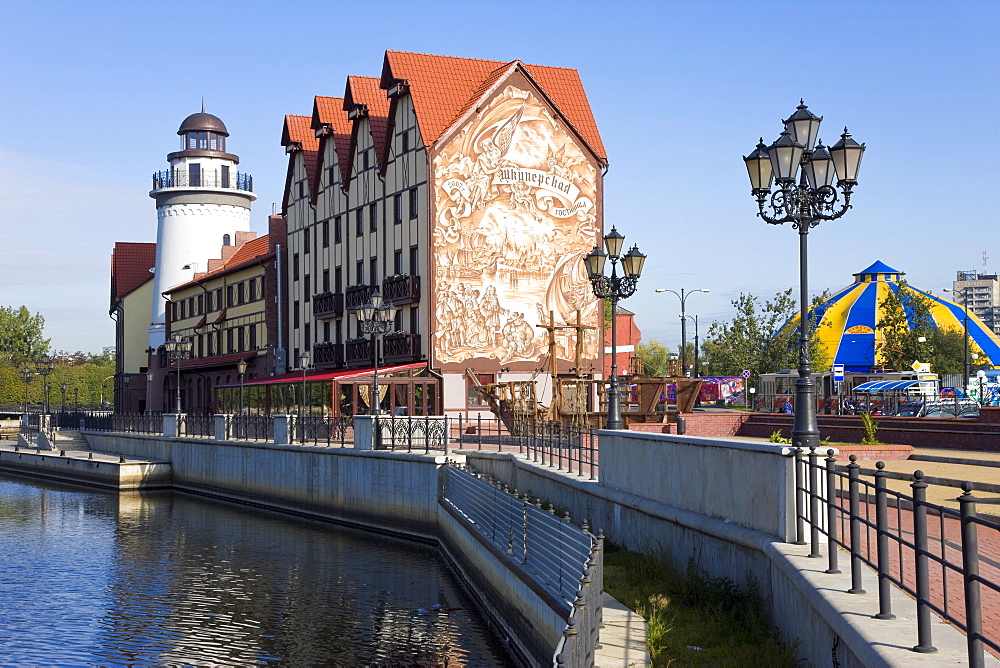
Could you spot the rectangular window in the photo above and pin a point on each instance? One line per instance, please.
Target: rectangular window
(373, 217)
(194, 174)
(326, 330)
(295, 315)
(202, 140)
(229, 341)
(302, 188)
(218, 299)
(307, 340)
(359, 222)
(326, 234)
(252, 285)
(295, 267)
(336, 230)
(373, 265)
(340, 332)
(397, 321)
(338, 283)
(231, 296)
(307, 233)
(405, 140)
(360, 275)
(253, 337)
(484, 379)
(414, 203)
(201, 305)
(414, 320)
(397, 262)
(397, 205)
(306, 289)
(414, 261)
(225, 176)
(366, 159)
(326, 280)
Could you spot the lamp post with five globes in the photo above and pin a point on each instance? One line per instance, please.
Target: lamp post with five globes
(178, 348)
(804, 204)
(377, 318)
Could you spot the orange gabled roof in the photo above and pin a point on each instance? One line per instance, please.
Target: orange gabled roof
(330, 111)
(130, 265)
(367, 91)
(298, 130)
(444, 87)
(246, 254)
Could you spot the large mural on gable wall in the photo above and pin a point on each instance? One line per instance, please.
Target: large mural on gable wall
(516, 212)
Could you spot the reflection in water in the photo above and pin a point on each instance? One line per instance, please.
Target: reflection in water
(89, 577)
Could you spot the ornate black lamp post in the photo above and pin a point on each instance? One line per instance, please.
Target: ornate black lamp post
(43, 367)
(376, 318)
(63, 388)
(304, 365)
(614, 287)
(804, 205)
(683, 296)
(241, 366)
(178, 348)
(26, 374)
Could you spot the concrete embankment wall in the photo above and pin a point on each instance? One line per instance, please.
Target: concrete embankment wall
(385, 491)
(727, 506)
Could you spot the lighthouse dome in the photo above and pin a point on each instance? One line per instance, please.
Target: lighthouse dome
(204, 123)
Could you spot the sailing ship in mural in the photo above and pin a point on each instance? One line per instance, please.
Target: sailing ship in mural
(515, 216)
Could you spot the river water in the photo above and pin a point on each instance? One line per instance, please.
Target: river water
(100, 578)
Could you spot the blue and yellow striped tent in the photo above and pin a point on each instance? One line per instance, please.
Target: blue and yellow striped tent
(848, 319)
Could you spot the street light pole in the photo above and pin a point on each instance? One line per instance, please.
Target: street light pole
(43, 367)
(178, 347)
(63, 389)
(304, 364)
(697, 369)
(26, 374)
(376, 318)
(614, 287)
(241, 366)
(683, 295)
(804, 205)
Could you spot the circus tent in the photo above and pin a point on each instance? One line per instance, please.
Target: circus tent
(847, 320)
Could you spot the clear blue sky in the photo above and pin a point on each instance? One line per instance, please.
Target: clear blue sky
(93, 93)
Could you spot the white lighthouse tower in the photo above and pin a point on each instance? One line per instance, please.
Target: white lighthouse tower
(201, 203)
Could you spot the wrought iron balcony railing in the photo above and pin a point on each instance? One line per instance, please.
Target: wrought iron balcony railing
(328, 355)
(402, 289)
(359, 352)
(356, 295)
(401, 347)
(186, 178)
(328, 305)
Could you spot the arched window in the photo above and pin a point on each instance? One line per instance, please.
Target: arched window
(226, 241)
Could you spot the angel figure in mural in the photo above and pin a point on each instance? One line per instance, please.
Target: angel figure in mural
(491, 158)
(518, 338)
(558, 165)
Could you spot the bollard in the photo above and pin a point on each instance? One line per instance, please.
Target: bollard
(882, 544)
(919, 487)
(831, 512)
(856, 564)
(970, 575)
(813, 503)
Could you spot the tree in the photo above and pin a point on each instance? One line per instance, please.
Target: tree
(655, 356)
(762, 338)
(21, 339)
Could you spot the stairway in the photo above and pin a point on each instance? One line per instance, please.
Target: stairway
(70, 439)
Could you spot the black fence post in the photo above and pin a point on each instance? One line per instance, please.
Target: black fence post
(924, 640)
(814, 515)
(479, 429)
(882, 532)
(970, 574)
(853, 482)
(800, 527)
(831, 511)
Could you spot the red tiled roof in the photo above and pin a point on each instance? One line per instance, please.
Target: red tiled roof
(330, 110)
(299, 129)
(367, 91)
(443, 87)
(245, 254)
(130, 265)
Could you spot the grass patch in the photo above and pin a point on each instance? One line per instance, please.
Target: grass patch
(688, 609)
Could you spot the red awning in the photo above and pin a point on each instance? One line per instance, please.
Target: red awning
(314, 376)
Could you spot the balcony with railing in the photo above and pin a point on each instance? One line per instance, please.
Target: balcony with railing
(328, 305)
(189, 178)
(400, 348)
(359, 352)
(401, 289)
(328, 355)
(356, 295)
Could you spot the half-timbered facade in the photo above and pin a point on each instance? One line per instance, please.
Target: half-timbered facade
(467, 192)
